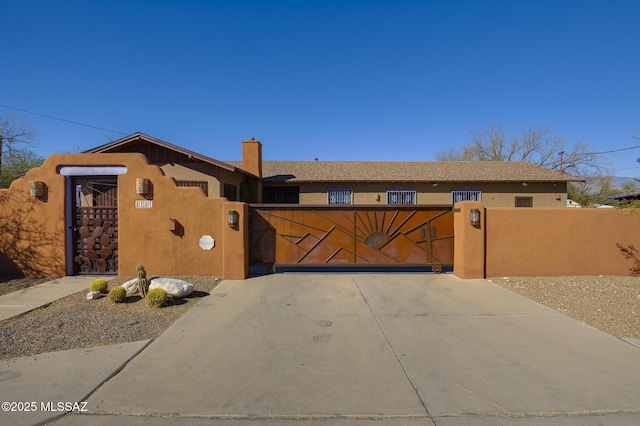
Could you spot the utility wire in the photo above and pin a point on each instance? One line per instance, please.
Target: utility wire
(613, 150)
(123, 133)
(62, 119)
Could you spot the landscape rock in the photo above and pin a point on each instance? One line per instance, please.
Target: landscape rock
(175, 287)
(94, 295)
(131, 286)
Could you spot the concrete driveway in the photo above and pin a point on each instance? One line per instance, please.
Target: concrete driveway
(379, 349)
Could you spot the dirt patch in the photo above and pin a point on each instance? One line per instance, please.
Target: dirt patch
(75, 322)
(608, 303)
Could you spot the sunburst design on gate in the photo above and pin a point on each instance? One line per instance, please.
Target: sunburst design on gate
(384, 236)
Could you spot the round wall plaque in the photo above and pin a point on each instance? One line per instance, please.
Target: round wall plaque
(207, 242)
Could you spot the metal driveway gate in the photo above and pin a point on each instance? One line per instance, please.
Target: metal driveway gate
(387, 236)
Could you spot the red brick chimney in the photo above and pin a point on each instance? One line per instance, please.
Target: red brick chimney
(252, 157)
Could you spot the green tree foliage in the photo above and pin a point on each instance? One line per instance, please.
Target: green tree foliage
(594, 191)
(17, 162)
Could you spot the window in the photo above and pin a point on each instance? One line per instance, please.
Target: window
(524, 201)
(281, 195)
(200, 184)
(339, 196)
(230, 192)
(401, 196)
(465, 194)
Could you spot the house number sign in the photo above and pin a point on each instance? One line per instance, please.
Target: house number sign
(144, 204)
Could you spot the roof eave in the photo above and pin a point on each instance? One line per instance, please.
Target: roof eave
(164, 144)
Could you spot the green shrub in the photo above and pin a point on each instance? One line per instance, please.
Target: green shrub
(99, 285)
(117, 294)
(156, 297)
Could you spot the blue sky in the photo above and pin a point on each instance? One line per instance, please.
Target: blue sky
(337, 80)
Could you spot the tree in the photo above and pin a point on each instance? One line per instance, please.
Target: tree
(15, 136)
(594, 191)
(538, 146)
(17, 162)
(534, 145)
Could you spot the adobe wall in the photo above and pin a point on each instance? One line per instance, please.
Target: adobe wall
(33, 239)
(554, 242)
(32, 230)
(469, 242)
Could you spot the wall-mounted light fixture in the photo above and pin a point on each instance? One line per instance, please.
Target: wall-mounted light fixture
(434, 184)
(36, 189)
(234, 218)
(475, 218)
(142, 186)
(525, 184)
(377, 197)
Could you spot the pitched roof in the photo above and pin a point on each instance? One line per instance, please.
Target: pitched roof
(409, 171)
(120, 145)
(364, 171)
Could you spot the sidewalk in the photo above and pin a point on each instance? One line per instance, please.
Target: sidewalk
(48, 379)
(30, 298)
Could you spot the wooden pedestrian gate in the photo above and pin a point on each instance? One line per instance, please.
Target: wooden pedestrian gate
(95, 230)
(356, 236)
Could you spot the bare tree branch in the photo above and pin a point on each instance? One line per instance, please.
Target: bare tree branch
(534, 145)
(15, 136)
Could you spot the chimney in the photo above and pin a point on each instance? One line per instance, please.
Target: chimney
(252, 157)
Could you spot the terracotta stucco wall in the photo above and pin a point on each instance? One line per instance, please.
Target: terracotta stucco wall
(32, 230)
(554, 242)
(543, 194)
(469, 243)
(36, 243)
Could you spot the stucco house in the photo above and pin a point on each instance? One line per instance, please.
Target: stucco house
(143, 200)
(188, 168)
(496, 184)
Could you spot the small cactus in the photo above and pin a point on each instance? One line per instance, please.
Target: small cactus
(99, 285)
(157, 297)
(143, 284)
(117, 294)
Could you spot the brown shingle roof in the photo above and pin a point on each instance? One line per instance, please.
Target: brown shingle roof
(409, 171)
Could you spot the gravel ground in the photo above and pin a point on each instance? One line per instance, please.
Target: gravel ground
(11, 284)
(608, 303)
(75, 322)
(611, 304)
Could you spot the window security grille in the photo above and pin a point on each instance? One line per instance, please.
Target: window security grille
(524, 201)
(230, 192)
(339, 196)
(401, 196)
(465, 194)
(200, 184)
